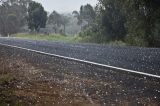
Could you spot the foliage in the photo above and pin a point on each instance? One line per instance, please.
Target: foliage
(37, 16)
(58, 20)
(12, 16)
(55, 19)
(64, 20)
(54, 37)
(88, 14)
(112, 19)
(78, 16)
(132, 21)
(136, 22)
(85, 16)
(135, 41)
(141, 20)
(6, 79)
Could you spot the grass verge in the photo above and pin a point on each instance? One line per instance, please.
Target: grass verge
(56, 37)
(71, 39)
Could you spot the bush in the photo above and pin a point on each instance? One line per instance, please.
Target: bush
(6, 79)
(136, 41)
(86, 32)
(117, 43)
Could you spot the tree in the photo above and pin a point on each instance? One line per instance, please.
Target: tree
(58, 20)
(64, 21)
(151, 15)
(143, 20)
(13, 15)
(55, 20)
(85, 15)
(112, 19)
(3, 20)
(11, 22)
(88, 14)
(133, 19)
(37, 16)
(79, 18)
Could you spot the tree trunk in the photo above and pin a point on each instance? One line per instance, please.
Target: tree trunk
(64, 29)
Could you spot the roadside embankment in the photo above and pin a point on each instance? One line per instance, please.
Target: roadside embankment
(35, 79)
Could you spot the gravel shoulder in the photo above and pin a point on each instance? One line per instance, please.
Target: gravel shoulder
(41, 80)
(22, 84)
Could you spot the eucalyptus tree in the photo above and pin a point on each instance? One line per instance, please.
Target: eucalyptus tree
(37, 16)
(64, 21)
(88, 13)
(138, 19)
(113, 19)
(12, 14)
(79, 18)
(85, 16)
(151, 19)
(54, 19)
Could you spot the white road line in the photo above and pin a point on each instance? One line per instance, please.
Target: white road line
(84, 61)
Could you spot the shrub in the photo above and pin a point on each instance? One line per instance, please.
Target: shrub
(136, 41)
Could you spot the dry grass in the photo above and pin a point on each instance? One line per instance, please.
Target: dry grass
(24, 85)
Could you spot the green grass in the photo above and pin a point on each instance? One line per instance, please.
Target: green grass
(6, 79)
(56, 37)
(72, 39)
(5, 91)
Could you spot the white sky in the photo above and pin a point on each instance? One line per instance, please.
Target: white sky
(64, 5)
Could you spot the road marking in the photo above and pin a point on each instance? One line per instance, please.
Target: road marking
(84, 61)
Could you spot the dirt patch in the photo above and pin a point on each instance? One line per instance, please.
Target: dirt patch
(34, 79)
(23, 84)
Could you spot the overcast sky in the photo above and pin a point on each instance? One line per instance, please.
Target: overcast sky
(64, 5)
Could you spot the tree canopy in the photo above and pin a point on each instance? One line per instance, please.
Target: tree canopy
(12, 15)
(129, 20)
(85, 16)
(37, 16)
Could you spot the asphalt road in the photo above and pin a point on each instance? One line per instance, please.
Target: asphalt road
(134, 58)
